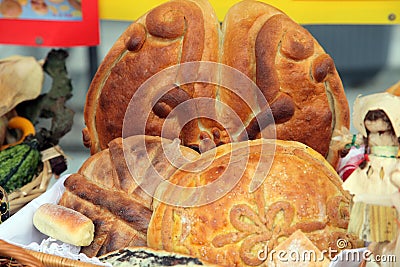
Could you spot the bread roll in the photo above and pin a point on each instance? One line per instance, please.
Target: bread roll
(64, 224)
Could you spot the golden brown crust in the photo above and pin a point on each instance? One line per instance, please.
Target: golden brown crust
(120, 205)
(294, 74)
(106, 190)
(119, 220)
(279, 57)
(99, 168)
(301, 191)
(172, 33)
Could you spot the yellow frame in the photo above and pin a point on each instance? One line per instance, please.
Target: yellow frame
(302, 11)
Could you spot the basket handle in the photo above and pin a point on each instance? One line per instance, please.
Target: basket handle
(30, 258)
(19, 254)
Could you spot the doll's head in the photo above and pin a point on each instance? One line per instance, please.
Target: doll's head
(377, 118)
(379, 129)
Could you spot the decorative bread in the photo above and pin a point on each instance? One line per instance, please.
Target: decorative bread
(64, 224)
(300, 191)
(105, 191)
(189, 33)
(294, 76)
(144, 257)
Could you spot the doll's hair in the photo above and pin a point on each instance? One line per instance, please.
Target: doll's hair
(374, 115)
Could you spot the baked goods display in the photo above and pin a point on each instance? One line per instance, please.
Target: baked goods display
(292, 71)
(174, 179)
(64, 224)
(125, 218)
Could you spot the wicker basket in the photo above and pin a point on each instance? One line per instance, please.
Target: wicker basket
(39, 183)
(14, 256)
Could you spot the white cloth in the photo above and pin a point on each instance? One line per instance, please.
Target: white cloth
(373, 181)
(19, 229)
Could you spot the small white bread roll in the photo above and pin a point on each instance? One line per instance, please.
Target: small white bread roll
(64, 224)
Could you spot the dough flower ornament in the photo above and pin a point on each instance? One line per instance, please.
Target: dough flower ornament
(263, 229)
(260, 231)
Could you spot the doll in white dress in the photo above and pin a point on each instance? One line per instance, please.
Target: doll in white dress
(377, 118)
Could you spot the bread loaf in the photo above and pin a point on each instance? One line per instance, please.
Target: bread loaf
(293, 74)
(301, 191)
(64, 224)
(105, 189)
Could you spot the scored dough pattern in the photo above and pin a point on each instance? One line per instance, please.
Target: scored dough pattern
(262, 228)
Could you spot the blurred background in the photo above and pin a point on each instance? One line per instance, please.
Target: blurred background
(366, 56)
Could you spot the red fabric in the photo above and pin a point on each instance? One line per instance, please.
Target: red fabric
(348, 169)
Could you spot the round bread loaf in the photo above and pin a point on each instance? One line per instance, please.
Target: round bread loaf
(292, 72)
(64, 224)
(301, 191)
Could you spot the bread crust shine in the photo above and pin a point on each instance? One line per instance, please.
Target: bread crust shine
(293, 72)
(300, 192)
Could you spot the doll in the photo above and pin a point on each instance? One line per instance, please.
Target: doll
(373, 217)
